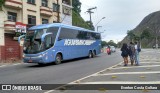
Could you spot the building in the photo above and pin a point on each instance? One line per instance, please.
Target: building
(18, 15)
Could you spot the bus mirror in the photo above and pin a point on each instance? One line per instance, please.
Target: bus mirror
(44, 35)
(20, 37)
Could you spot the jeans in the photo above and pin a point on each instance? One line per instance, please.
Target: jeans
(137, 57)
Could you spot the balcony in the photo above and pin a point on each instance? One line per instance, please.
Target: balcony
(15, 4)
(9, 26)
(45, 11)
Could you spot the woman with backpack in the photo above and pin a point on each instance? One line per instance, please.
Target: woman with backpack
(125, 53)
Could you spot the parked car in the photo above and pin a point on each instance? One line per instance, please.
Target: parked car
(113, 49)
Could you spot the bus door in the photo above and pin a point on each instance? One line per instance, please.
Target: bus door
(48, 43)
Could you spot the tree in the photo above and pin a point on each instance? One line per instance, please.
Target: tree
(131, 35)
(145, 34)
(77, 20)
(103, 43)
(137, 38)
(1, 4)
(76, 6)
(112, 43)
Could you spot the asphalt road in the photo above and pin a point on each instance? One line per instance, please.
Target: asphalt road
(56, 74)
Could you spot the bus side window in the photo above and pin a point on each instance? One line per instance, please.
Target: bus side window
(54, 31)
(48, 42)
(82, 35)
(67, 33)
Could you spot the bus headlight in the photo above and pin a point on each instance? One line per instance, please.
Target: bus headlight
(42, 55)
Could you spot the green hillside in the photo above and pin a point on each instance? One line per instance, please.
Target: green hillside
(77, 20)
(146, 32)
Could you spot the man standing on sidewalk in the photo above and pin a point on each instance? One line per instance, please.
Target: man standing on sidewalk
(137, 50)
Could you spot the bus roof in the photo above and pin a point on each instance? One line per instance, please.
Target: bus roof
(58, 25)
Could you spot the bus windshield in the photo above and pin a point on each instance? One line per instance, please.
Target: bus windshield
(32, 43)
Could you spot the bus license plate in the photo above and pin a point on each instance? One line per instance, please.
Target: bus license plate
(30, 60)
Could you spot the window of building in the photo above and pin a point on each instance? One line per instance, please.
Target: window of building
(55, 7)
(31, 1)
(45, 3)
(12, 16)
(44, 21)
(66, 2)
(66, 10)
(31, 20)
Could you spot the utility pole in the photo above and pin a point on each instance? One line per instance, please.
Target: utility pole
(58, 17)
(98, 28)
(90, 14)
(157, 39)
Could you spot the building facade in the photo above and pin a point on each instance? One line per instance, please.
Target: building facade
(25, 14)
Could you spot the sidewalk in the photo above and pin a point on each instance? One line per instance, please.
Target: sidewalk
(147, 73)
(5, 63)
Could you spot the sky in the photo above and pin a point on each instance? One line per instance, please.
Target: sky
(120, 15)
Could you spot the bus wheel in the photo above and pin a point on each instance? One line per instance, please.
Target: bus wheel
(58, 59)
(94, 53)
(90, 55)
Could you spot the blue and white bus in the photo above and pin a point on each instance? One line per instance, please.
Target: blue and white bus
(57, 42)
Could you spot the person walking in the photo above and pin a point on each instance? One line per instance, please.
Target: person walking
(108, 50)
(137, 50)
(125, 53)
(132, 53)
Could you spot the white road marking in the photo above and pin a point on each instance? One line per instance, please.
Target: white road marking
(136, 67)
(123, 82)
(83, 78)
(128, 73)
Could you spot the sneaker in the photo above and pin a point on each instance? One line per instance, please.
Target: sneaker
(125, 65)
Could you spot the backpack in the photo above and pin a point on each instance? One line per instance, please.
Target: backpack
(138, 48)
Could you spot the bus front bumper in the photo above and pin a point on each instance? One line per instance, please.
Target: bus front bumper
(35, 59)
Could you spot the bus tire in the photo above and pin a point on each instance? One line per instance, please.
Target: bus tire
(94, 53)
(58, 59)
(90, 54)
